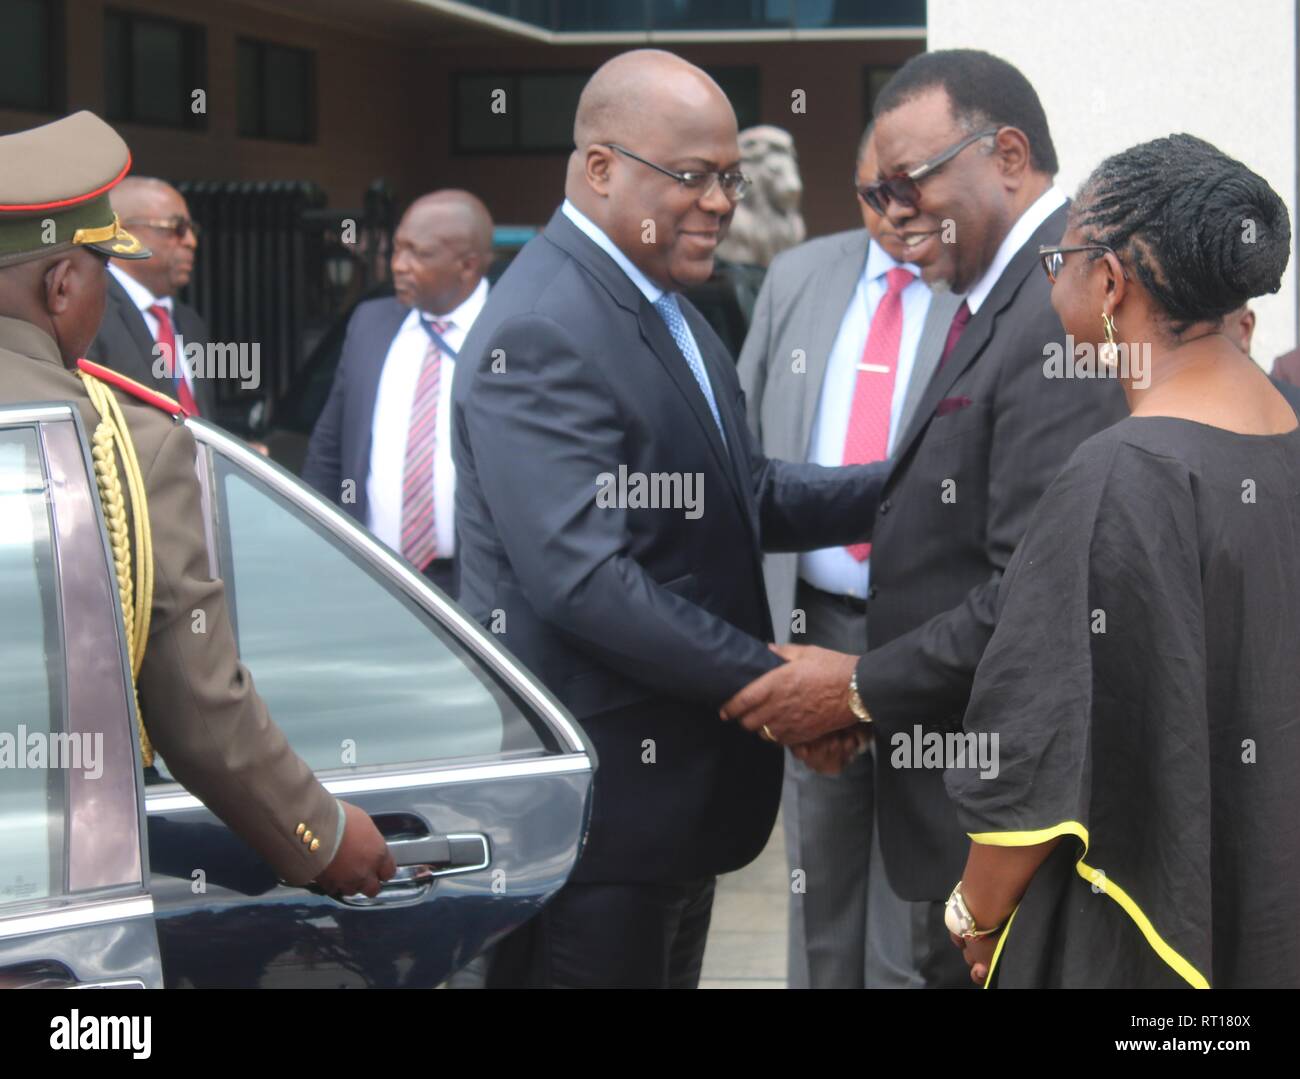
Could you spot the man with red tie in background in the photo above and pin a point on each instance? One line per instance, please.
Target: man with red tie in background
(381, 449)
(871, 334)
(145, 328)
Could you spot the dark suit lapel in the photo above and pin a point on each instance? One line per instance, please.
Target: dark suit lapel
(654, 331)
(974, 339)
(369, 371)
(125, 310)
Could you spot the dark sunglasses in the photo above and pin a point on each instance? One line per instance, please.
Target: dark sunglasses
(905, 188)
(734, 183)
(179, 226)
(1053, 258)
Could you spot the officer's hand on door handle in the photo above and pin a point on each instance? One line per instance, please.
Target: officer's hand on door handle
(363, 862)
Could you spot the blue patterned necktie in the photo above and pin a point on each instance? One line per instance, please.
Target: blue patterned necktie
(668, 310)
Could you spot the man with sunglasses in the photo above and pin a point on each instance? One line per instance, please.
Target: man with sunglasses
(587, 367)
(145, 326)
(965, 178)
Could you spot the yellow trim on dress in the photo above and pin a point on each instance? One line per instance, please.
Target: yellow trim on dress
(1181, 966)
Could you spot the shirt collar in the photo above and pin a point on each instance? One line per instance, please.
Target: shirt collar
(880, 262)
(461, 318)
(140, 296)
(1043, 207)
(596, 234)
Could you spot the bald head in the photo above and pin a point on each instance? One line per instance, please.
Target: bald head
(636, 90)
(157, 211)
(442, 249)
(659, 107)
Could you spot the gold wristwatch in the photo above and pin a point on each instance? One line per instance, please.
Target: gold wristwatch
(957, 917)
(855, 702)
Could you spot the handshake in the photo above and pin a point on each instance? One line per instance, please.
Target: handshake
(804, 704)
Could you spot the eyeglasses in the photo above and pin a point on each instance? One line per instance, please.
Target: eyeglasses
(905, 188)
(734, 183)
(179, 226)
(1053, 258)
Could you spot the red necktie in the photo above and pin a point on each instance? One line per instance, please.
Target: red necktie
(873, 392)
(175, 370)
(419, 533)
(959, 320)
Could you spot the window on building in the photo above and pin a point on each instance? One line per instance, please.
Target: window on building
(874, 77)
(31, 55)
(155, 71)
(277, 92)
(532, 111)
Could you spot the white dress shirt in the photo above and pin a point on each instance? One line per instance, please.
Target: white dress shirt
(647, 288)
(144, 299)
(1042, 208)
(391, 424)
(833, 569)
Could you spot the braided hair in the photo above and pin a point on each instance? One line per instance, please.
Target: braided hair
(1201, 231)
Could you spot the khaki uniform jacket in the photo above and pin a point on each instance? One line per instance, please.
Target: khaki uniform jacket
(200, 708)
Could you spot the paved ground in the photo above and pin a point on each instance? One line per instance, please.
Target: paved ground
(747, 938)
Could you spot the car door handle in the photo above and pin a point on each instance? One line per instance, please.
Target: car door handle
(440, 855)
(422, 859)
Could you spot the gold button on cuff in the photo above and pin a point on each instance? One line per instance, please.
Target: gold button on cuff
(301, 828)
(315, 846)
(306, 836)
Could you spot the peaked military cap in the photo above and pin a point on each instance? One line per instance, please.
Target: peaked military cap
(54, 185)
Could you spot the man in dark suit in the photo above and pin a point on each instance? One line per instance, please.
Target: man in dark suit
(382, 447)
(610, 505)
(967, 163)
(143, 313)
(872, 333)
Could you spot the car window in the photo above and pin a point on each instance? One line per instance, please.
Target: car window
(352, 669)
(32, 753)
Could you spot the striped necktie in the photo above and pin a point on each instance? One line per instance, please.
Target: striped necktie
(419, 534)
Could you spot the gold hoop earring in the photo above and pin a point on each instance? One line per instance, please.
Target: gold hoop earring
(1109, 352)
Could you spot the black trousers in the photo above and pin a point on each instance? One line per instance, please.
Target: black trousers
(610, 936)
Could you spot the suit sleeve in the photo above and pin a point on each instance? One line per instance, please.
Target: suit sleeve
(198, 701)
(323, 468)
(926, 675)
(542, 433)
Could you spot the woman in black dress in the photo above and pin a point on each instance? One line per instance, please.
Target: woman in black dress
(1143, 681)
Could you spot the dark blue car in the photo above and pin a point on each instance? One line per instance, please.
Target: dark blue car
(111, 876)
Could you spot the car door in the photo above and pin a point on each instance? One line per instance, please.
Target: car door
(74, 909)
(402, 705)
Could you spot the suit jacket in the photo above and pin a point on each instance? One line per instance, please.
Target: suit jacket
(198, 702)
(989, 434)
(125, 344)
(1286, 367)
(641, 621)
(339, 448)
(801, 307)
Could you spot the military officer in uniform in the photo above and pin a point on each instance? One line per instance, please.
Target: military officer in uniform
(198, 704)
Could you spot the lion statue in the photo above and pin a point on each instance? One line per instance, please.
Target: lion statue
(767, 220)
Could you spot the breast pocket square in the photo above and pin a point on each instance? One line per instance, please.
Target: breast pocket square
(950, 405)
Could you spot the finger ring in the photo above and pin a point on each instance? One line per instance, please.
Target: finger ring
(768, 734)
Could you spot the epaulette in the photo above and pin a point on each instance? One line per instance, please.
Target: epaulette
(129, 385)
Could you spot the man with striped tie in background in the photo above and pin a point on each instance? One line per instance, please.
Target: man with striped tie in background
(380, 449)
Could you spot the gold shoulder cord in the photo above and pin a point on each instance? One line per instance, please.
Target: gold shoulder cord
(137, 594)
